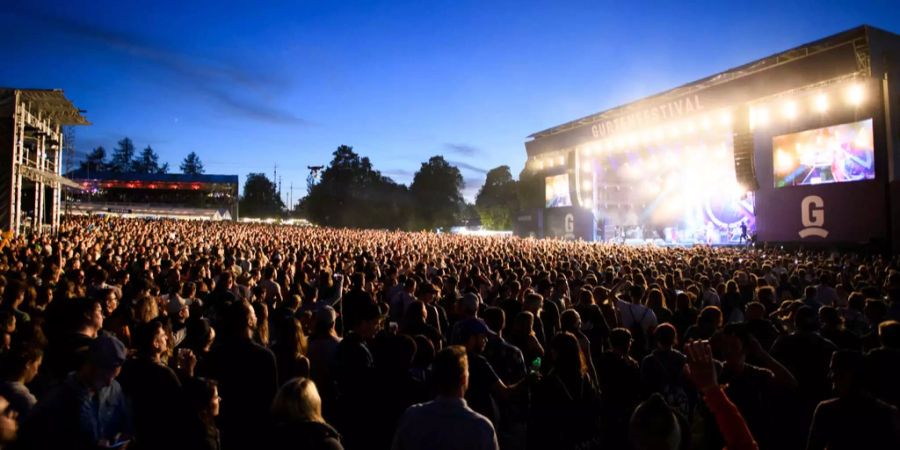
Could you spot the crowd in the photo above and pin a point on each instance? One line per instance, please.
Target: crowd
(146, 334)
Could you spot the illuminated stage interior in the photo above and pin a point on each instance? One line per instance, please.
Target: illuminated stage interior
(674, 184)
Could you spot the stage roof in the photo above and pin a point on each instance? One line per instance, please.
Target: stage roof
(719, 78)
(80, 174)
(52, 103)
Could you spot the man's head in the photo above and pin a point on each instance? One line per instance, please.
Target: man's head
(495, 319)
(533, 303)
(150, 339)
(89, 315)
(241, 319)
(620, 340)
(889, 334)
(665, 335)
(104, 362)
(846, 371)
(474, 334)
(369, 321)
(8, 425)
(324, 320)
(654, 426)
(450, 372)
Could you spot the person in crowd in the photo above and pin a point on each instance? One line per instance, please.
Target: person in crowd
(66, 351)
(522, 335)
(8, 425)
(505, 358)
(290, 350)
(297, 419)
(662, 371)
(202, 400)
(354, 373)
(883, 364)
(436, 425)
(18, 368)
(88, 409)
(247, 376)
(565, 404)
(153, 390)
(854, 419)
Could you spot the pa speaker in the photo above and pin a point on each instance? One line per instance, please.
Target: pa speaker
(742, 141)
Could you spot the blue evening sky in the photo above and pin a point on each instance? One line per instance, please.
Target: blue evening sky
(248, 84)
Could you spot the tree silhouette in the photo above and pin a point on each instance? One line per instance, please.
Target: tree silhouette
(436, 194)
(497, 200)
(192, 165)
(95, 160)
(148, 162)
(122, 156)
(260, 197)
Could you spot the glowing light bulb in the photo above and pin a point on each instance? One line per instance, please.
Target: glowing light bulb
(856, 94)
(790, 110)
(821, 103)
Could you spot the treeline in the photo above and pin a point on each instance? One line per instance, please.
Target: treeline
(125, 160)
(352, 193)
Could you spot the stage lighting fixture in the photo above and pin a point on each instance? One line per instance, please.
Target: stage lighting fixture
(587, 150)
(821, 103)
(632, 140)
(855, 94)
(790, 110)
(586, 168)
(690, 127)
(562, 160)
(725, 119)
(588, 203)
(658, 134)
(586, 185)
(706, 123)
(758, 117)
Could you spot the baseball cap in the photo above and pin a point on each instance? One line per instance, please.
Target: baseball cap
(107, 352)
(473, 327)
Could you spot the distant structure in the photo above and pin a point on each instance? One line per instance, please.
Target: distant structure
(31, 143)
(170, 195)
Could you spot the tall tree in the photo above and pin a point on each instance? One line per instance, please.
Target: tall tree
(531, 189)
(192, 165)
(497, 200)
(122, 156)
(95, 160)
(436, 194)
(148, 162)
(351, 193)
(260, 197)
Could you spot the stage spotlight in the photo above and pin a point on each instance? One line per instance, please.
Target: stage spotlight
(690, 128)
(540, 165)
(562, 160)
(856, 94)
(790, 110)
(658, 134)
(759, 117)
(588, 204)
(706, 123)
(586, 168)
(822, 103)
(725, 119)
(632, 140)
(587, 150)
(586, 185)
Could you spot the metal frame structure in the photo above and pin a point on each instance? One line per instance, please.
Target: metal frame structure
(38, 117)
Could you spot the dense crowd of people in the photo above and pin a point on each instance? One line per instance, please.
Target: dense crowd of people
(160, 334)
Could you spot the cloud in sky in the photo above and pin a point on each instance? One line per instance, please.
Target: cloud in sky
(466, 166)
(219, 81)
(463, 149)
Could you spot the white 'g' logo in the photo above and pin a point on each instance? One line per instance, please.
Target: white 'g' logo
(812, 215)
(570, 223)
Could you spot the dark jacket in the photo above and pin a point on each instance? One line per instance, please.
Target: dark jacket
(306, 435)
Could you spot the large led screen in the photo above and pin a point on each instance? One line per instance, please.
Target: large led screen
(558, 191)
(832, 154)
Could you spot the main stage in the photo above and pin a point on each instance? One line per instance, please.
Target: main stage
(795, 147)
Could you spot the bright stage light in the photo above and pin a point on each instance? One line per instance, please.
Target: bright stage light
(856, 94)
(588, 203)
(759, 117)
(725, 119)
(586, 185)
(706, 123)
(562, 160)
(690, 128)
(821, 103)
(632, 140)
(586, 168)
(789, 110)
(539, 164)
(587, 150)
